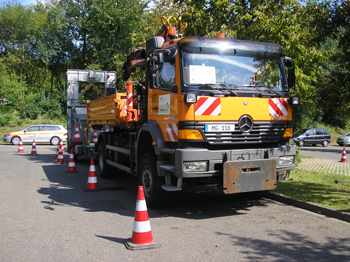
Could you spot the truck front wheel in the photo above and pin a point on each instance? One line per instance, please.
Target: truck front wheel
(105, 170)
(155, 196)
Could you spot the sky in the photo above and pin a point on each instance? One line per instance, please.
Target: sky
(22, 2)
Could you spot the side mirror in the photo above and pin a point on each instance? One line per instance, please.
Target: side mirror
(288, 62)
(170, 55)
(174, 89)
(291, 77)
(157, 59)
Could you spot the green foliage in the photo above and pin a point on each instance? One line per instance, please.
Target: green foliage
(5, 119)
(30, 108)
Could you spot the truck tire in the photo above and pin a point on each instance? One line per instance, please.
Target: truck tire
(105, 170)
(155, 196)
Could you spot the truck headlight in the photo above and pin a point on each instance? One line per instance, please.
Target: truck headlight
(200, 166)
(286, 160)
(190, 98)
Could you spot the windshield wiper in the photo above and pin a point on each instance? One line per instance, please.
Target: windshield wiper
(266, 88)
(228, 89)
(221, 87)
(272, 91)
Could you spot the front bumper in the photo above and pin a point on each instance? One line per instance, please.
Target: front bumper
(216, 158)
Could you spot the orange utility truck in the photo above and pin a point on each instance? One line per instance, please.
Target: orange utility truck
(204, 111)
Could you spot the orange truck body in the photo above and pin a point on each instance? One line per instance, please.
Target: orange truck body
(190, 119)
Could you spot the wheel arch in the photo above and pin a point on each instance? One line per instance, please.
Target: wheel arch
(150, 139)
(104, 137)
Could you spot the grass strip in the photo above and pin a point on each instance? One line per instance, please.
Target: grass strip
(331, 190)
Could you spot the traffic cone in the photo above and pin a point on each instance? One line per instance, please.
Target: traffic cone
(142, 233)
(343, 156)
(76, 134)
(61, 146)
(33, 148)
(92, 180)
(20, 147)
(60, 157)
(71, 163)
(58, 149)
(94, 139)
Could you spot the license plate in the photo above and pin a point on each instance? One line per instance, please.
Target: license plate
(219, 128)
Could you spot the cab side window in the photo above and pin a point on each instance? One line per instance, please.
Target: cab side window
(166, 75)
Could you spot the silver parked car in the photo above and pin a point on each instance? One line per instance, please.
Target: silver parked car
(344, 140)
(41, 133)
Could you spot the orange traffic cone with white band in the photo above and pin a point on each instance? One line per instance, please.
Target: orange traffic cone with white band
(60, 157)
(20, 147)
(61, 146)
(76, 134)
(142, 233)
(33, 148)
(92, 180)
(71, 163)
(94, 139)
(343, 156)
(58, 149)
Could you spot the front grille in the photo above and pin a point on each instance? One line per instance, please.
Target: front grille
(262, 132)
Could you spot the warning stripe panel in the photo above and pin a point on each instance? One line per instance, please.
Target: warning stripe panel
(172, 132)
(208, 106)
(278, 107)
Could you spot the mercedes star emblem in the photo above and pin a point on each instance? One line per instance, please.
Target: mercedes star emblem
(245, 123)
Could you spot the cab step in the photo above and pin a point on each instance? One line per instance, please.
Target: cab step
(171, 188)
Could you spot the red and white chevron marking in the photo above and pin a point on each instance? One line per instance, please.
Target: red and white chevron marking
(172, 132)
(278, 107)
(208, 106)
(130, 100)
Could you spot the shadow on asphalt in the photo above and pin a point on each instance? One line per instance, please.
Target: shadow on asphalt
(295, 247)
(118, 195)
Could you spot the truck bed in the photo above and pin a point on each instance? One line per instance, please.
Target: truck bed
(110, 110)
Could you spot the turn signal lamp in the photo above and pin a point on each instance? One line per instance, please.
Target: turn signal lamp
(288, 132)
(190, 134)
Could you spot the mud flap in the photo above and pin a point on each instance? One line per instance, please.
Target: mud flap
(249, 176)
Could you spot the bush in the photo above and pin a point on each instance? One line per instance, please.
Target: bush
(52, 107)
(5, 119)
(31, 108)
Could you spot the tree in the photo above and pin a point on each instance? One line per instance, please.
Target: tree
(331, 34)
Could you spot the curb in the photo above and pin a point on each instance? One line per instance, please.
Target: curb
(330, 212)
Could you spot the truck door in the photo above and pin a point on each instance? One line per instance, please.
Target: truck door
(163, 100)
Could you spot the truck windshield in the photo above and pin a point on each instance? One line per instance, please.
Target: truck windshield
(208, 70)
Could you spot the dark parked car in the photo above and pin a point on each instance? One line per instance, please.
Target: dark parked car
(312, 136)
